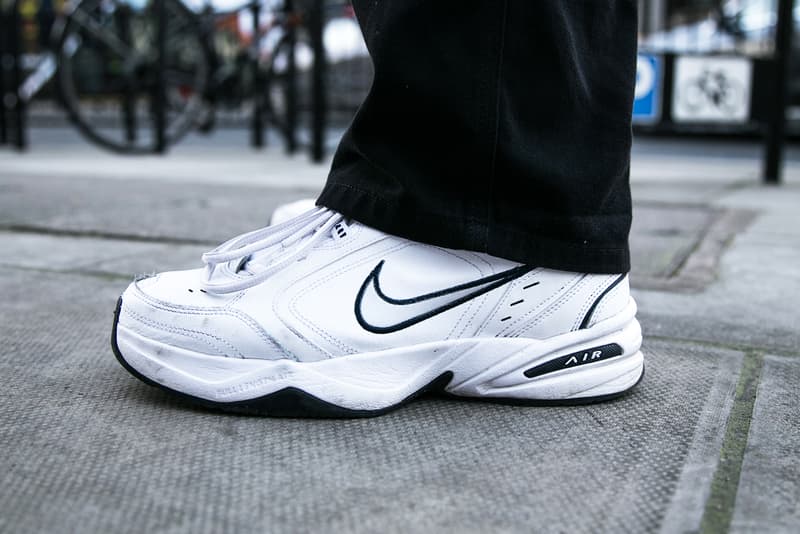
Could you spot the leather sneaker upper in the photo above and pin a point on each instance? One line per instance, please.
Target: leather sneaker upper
(318, 287)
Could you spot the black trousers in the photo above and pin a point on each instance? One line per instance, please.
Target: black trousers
(500, 126)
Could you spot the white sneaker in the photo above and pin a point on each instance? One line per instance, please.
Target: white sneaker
(322, 316)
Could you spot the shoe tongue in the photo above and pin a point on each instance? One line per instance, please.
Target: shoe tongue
(263, 258)
(259, 259)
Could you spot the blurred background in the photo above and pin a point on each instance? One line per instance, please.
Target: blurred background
(139, 76)
(136, 135)
(114, 94)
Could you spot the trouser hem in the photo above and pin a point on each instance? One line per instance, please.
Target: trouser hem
(405, 219)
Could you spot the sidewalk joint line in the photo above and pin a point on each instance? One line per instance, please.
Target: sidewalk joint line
(719, 507)
(783, 352)
(94, 234)
(106, 275)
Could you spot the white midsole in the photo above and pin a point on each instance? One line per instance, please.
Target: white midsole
(481, 367)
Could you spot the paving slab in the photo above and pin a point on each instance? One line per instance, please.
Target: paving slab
(662, 238)
(144, 209)
(768, 499)
(750, 303)
(102, 257)
(174, 217)
(222, 158)
(87, 448)
(697, 192)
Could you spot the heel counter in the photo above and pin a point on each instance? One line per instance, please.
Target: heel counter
(610, 302)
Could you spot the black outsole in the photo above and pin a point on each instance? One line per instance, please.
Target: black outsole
(294, 402)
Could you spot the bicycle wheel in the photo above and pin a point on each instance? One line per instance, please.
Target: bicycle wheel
(694, 95)
(108, 78)
(287, 97)
(348, 75)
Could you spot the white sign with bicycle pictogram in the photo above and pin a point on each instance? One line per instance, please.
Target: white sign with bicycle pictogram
(712, 89)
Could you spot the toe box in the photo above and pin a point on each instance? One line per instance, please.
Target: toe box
(171, 308)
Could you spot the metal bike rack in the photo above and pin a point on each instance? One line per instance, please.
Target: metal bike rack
(776, 122)
(257, 122)
(291, 80)
(318, 89)
(4, 25)
(122, 16)
(160, 97)
(12, 107)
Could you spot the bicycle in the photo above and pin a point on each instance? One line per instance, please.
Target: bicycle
(116, 84)
(712, 90)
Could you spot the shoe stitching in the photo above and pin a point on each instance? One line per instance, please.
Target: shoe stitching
(496, 310)
(344, 269)
(292, 305)
(541, 307)
(561, 302)
(604, 304)
(481, 301)
(341, 344)
(197, 311)
(451, 334)
(471, 320)
(552, 308)
(587, 303)
(183, 331)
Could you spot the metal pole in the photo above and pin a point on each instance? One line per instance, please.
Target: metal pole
(4, 31)
(20, 139)
(776, 128)
(159, 98)
(122, 18)
(257, 123)
(656, 15)
(318, 104)
(291, 78)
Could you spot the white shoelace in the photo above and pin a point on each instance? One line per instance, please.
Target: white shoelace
(299, 234)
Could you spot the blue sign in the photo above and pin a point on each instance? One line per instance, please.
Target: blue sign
(647, 101)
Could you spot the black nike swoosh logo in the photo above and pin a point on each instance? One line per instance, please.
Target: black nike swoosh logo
(482, 285)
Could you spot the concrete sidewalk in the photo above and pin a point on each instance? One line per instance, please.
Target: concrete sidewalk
(709, 442)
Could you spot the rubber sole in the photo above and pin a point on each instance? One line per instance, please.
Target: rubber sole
(294, 402)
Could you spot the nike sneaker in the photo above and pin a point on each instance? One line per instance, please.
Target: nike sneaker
(323, 316)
